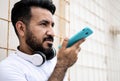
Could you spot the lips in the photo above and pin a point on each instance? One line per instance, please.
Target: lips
(49, 39)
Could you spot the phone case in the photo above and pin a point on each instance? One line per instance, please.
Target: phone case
(80, 35)
(85, 32)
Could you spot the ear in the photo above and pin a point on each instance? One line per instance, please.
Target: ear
(21, 28)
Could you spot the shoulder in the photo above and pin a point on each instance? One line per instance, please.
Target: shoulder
(10, 69)
(11, 59)
(12, 62)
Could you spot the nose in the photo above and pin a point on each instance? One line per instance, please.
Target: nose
(51, 32)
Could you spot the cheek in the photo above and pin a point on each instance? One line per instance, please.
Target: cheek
(40, 35)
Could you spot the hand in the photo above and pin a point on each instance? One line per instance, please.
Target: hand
(68, 56)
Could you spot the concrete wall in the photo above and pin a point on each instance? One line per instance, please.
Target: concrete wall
(100, 54)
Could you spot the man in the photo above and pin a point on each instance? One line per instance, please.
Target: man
(35, 58)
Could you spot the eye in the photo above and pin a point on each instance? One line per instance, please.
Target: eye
(44, 24)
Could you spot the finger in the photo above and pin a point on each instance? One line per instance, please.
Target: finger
(78, 50)
(64, 44)
(79, 43)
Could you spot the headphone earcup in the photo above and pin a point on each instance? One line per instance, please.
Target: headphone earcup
(38, 58)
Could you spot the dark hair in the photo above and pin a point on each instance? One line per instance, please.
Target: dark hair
(22, 10)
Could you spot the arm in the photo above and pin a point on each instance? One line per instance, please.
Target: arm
(65, 59)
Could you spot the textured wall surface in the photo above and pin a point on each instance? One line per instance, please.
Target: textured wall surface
(99, 59)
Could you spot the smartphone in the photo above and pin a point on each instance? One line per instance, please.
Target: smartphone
(85, 32)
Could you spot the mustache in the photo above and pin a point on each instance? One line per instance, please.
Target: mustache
(48, 38)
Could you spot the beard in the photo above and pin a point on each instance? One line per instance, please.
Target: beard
(35, 45)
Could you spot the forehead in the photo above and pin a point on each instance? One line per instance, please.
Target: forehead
(41, 13)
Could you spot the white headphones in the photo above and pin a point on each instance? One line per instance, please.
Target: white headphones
(38, 58)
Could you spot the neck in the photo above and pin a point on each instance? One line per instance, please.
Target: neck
(25, 49)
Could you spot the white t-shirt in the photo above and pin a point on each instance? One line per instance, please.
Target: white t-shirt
(15, 68)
